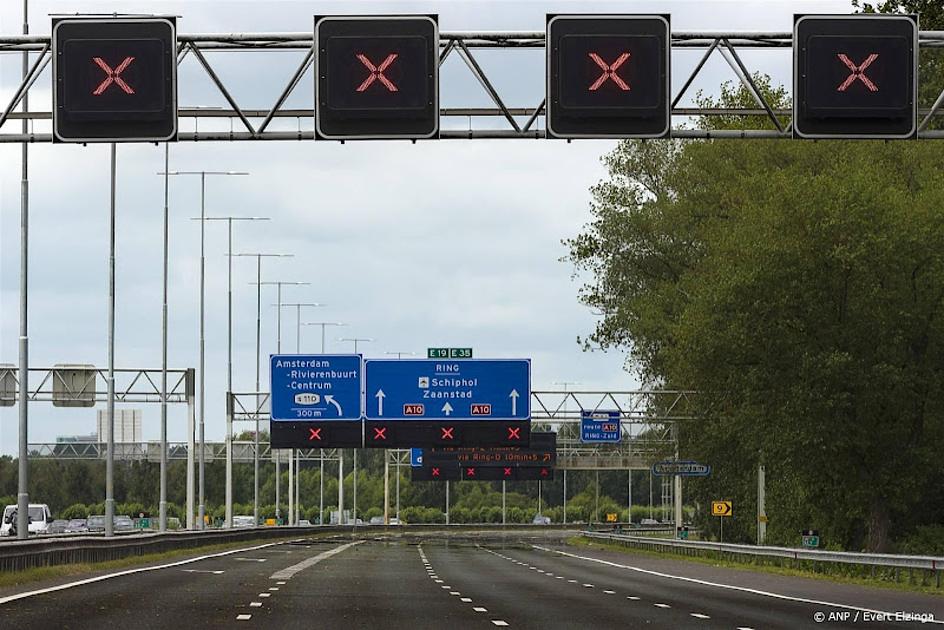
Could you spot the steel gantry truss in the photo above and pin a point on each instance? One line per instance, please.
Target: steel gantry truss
(256, 121)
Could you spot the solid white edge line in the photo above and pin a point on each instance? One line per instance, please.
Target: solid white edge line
(730, 587)
(101, 578)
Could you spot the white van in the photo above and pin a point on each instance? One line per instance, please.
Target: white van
(39, 519)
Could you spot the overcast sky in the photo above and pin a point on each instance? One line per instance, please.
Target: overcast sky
(442, 243)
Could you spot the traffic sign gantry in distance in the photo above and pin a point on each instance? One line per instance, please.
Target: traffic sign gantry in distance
(680, 469)
(114, 80)
(533, 462)
(448, 402)
(608, 76)
(316, 400)
(855, 76)
(600, 426)
(376, 77)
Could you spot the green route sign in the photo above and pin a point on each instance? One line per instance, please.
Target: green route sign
(449, 353)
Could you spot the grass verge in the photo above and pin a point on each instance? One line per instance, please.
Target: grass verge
(929, 589)
(18, 578)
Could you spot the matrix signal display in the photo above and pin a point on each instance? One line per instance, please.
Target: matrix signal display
(855, 76)
(608, 76)
(115, 80)
(377, 77)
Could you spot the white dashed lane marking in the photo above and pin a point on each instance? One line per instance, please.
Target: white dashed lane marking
(465, 599)
(633, 598)
(243, 617)
(499, 622)
(700, 616)
(661, 605)
(255, 604)
(479, 609)
(609, 592)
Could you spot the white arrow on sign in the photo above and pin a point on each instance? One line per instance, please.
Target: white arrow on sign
(514, 402)
(330, 400)
(447, 409)
(380, 401)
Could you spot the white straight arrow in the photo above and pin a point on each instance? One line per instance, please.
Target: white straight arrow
(447, 409)
(380, 401)
(514, 402)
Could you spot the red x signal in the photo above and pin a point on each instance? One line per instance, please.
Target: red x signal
(544, 472)
(507, 471)
(314, 434)
(435, 472)
(514, 433)
(380, 433)
(377, 72)
(609, 72)
(112, 76)
(447, 433)
(858, 72)
(469, 472)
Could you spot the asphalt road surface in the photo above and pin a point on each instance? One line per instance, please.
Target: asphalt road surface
(448, 582)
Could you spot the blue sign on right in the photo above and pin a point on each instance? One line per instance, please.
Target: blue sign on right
(448, 389)
(602, 425)
(416, 457)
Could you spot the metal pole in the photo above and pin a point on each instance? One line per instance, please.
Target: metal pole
(539, 496)
(447, 502)
(629, 497)
(650, 493)
(398, 491)
(278, 471)
(162, 506)
(291, 488)
(761, 504)
(255, 455)
(322, 338)
(22, 496)
(110, 426)
(565, 496)
(354, 508)
(321, 489)
(386, 487)
(677, 481)
(298, 483)
(341, 486)
(201, 509)
(596, 509)
(503, 502)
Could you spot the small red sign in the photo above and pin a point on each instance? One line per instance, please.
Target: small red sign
(314, 434)
(514, 433)
(469, 472)
(435, 472)
(447, 433)
(507, 471)
(380, 434)
(414, 410)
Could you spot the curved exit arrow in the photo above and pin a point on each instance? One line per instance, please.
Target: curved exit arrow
(330, 400)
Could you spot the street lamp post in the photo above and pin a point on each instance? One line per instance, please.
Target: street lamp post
(229, 419)
(565, 384)
(387, 466)
(202, 394)
(323, 326)
(278, 284)
(295, 466)
(356, 340)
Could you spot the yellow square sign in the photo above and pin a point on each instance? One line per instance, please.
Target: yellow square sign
(721, 508)
(611, 517)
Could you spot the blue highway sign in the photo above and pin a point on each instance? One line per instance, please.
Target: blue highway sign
(448, 389)
(686, 468)
(600, 426)
(416, 457)
(316, 386)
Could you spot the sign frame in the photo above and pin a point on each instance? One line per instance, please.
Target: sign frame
(317, 61)
(586, 416)
(798, 133)
(275, 394)
(59, 22)
(549, 102)
(705, 472)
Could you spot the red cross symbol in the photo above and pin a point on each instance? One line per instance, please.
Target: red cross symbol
(377, 72)
(544, 472)
(380, 433)
(314, 434)
(447, 433)
(858, 72)
(508, 471)
(469, 472)
(435, 472)
(609, 72)
(514, 433)
(112, 76)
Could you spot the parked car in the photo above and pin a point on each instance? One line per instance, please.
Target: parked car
(396, 521)
(648, 521)
(243, 521)
(95, 523)
(376, 520)
(124, 524)
(39, 519)
(540, 519)
(304, 523)
(77, 526)
(58, 526)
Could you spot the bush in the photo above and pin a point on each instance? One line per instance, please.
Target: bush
(76, 510)
(927, 540)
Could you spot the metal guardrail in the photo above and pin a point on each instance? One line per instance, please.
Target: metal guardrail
(19, 555)
(690, 547)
